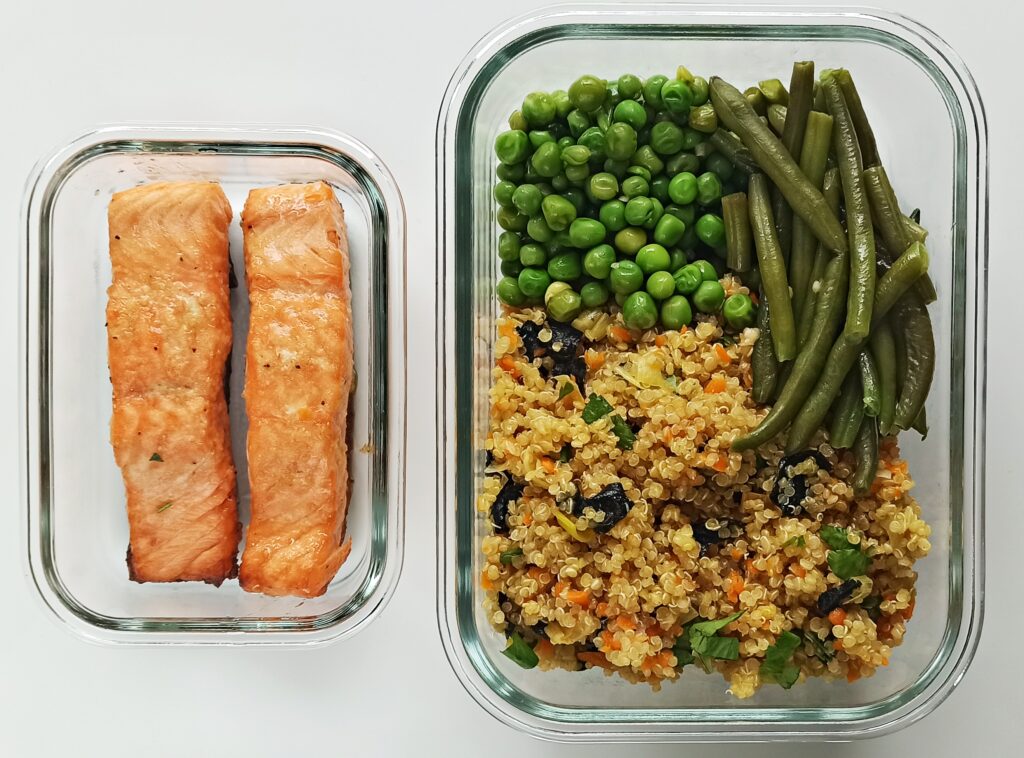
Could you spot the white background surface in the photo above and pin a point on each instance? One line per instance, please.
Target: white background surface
(377, 70)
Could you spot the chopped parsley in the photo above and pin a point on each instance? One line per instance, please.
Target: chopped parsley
(565, 454)
(519, 650)
(507, 556)
(845, 559)
(597, 408)
(623, 432)
(156, 457)
(700, 643)
(776, 666)
(797, 541)
(835, 537)
(821, 651)
(566, 389)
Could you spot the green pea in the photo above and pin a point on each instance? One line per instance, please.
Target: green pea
(578, 122)
(682, 189)
(677, 259)
(652, 90)
(711, 230)
(533, 282)
(538, 109)
(586, 232)
(639, 210)
(630, 86)
(625, 277)
(562, 103)
(565, 305)
(512, 220)
(558, 212)
(539, 136)
(565, 267)
(620, 140)
(577, 175)
(503, 194)
(560, 183)
(533, 254)
(604, 186)
(510, 268)
(738, 311)
(620, 298)
(575, 155)
(669, 230)
(511, 172)
(629, 240)
(692, 138)
(630, 112)
(530, 175)
(709, 297)
(598, 261)
(676, 96)
(537, 228)
(527, 199)
(689, 240)
(682, 162)
(618, 169)
(577, 198)
(509, 292)
(676, 313)
(635, 186)
(508, 246)
(639, 311)
(718, 164)
(703, 118)
(517, 122)
(657, 210)
(547, 160)
(642, 171)
(588, 93)
(594, 139)
(685, 213)
(512, 146)
(661, 285)
(707, 270)
(709, 188)
(594, 294)
(646, 157)
(688, 279)
(613, 215)
(699, 88)
(666, 138)
(653, 258)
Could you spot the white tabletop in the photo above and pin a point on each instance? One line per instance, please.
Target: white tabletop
(377, 70)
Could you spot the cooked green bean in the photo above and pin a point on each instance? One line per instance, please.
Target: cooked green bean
(763, 361)
(920, 424)
(777, 118)
(813, 162)
(773, 268)
(828, 317)
(914, 229)
(774, 91)
(858, 216)
(865, 450)
(870, 383)
(840, 360)
(804, 198)
(756, 100)
(910, 318)
(805, 318)
(885, 210)
(883, 350)
(739, 245)
(847, 413)
(905, 270)
(732, 148)
(865, 135)
(801, 93)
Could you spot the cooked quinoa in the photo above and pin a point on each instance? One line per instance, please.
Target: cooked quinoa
(703, 537)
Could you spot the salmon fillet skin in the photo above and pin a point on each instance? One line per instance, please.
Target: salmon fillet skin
(168, 341)
(298, 375)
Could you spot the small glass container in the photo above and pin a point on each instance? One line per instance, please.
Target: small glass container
(72, 490)
(931, 131)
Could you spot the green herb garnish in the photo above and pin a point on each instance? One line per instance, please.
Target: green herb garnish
(682, 650)
(821, 651)
(566, 389)
(797, 541)
(507, 556)
(565, 454)
(597, 407)
(848, 563)
(872, 605)
(164, 507)
(156, 457)
(706, 643)
(623, 432)
(835, 537)
(776, 666)
(520, 651)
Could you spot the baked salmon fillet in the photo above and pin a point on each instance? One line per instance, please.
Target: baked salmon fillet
(298, 375)
(168, 340)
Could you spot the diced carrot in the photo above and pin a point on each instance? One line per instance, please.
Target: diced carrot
(735, 586)
(736, 553)
(544, 648)
(508, 364)
(715, 385)
(548, 464)
(798, 570)
(721, 463)
(837, 645)
(508, 329)
(594, 359)
(534, 573)
(751, 568)
(661, 340)
(594, 659)
(666, 436)
(625, 622)
(723, 354)
(559, 588)
(527, 518)
(853, 673)
(620, 334)
(609, 641)
(485, 581)
(837, 617)
(909, 612)
(578, 597)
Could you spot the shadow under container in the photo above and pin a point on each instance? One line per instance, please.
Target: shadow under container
(72, 490)
(930, 126)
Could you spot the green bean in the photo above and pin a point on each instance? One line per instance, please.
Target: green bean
(828, 317)
(803, 197)
(774, 91)
(858, 216)
(813, 162)
(847, 413)
(905, 270)
(865, 136)
(765, 366)
(883, 350)
(777, 118)
(805, 317)
(870, 383)
(920, 424)
(773, 268)
(756, 100)
(739, 244)
(732, 148)
(910, 318)
(799, 107)
(914, 229)
(865, 450)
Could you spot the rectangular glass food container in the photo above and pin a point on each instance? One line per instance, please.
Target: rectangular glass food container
(71, 488)
(930, 125)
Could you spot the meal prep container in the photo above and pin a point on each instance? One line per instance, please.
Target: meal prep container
(71, 487)
(931, 133)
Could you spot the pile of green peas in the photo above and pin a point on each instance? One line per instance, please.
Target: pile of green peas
(610, 191)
